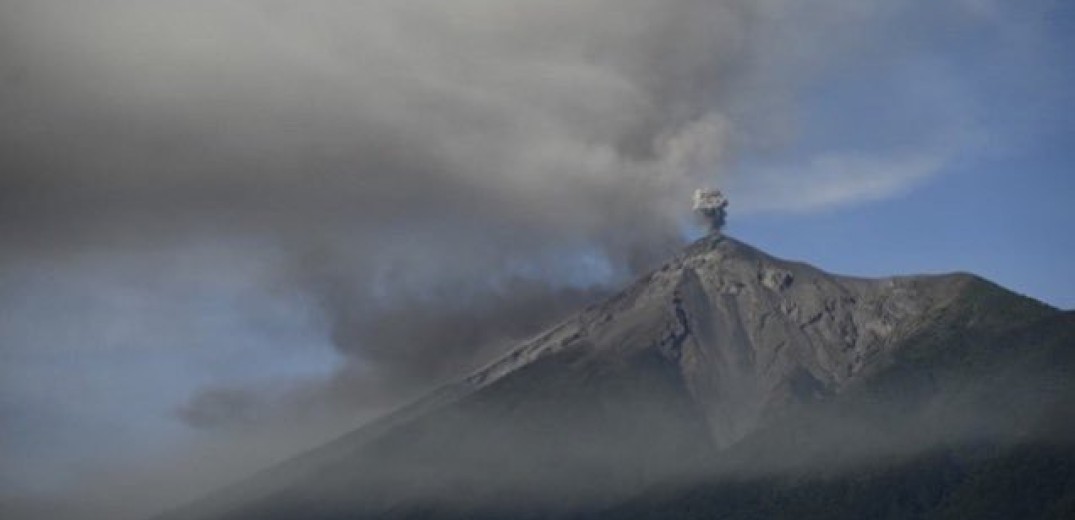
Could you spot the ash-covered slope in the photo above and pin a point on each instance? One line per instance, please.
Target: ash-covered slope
(705, 363)
(750, 334)
(966, 422)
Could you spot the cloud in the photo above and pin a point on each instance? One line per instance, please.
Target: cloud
(837, 179)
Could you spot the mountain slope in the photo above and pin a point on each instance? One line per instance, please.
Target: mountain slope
(713, 363)
(982, 429)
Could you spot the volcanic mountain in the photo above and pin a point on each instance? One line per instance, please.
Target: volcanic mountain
(725, 384)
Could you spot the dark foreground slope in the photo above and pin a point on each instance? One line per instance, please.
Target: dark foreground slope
(725, 383)
(984, 429)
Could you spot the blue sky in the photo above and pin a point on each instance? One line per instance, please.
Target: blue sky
(1001, 207)
(999, 222)
(1006, 216)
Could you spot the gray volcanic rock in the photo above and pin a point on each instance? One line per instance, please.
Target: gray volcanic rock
(750, 333)
(657, 383)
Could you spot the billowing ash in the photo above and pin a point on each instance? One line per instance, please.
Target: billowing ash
(711, 206)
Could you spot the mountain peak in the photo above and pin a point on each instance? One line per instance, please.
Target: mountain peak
(749, 334)
(700, 355)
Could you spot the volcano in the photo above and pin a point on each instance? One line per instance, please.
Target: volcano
(727, 383)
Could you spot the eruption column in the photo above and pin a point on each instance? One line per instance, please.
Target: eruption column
(710, 205)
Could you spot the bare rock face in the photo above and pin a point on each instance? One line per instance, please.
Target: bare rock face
(749, 333)
(690, 360)
(776, 279)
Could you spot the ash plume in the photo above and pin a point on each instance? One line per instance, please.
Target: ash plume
(710, 206)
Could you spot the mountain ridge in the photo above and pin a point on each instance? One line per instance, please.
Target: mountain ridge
(648, 386)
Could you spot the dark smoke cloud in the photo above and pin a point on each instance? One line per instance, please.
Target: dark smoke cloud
(456, 167)
(468, 157)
